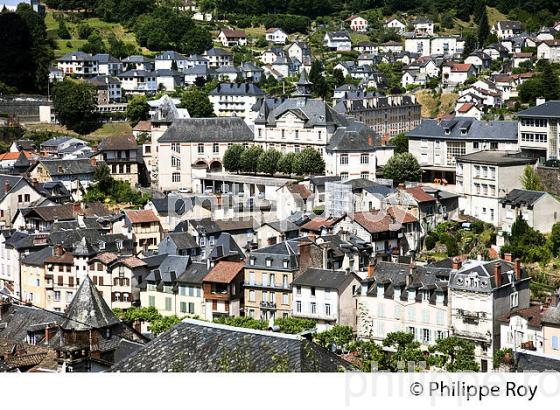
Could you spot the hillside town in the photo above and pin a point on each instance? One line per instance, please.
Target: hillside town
(280, 199)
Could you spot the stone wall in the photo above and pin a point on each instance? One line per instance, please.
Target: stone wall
(550, 178)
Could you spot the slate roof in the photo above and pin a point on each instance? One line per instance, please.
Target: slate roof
(225, 247)
(223, 129)
(529, 361)
(522, 197)
(484, 270)
(464, 128)
(20, 318)
(183, 240)
(499, 158)
(283, 226)
(194, 274)
(76, 56)
(197, 346)
(354, 137)
(170, 55)
(549, 109)
(224, 271)
(137, 59)
(551, 316)
(217, 52)
(168, 270)
(313, 112)
(245, 89)
(88, 309)
(325, 279)
(104, 58)
(64, 167)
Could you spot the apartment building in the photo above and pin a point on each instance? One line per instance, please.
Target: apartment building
(390, 115)
(480, 292)
(142, 226)
(223, 289)
(538, 130)
(539, 209)
(236, 100)
(484, 178)
(398, 297)
(326, 296)
(196, 142)
(437, 144)
(78, 63)
(120, 153)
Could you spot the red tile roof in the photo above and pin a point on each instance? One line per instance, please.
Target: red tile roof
(465, 107)
(8, 156)
(317, 223)
(298, 189)
(461, 68)
(224, 272)
(143, 126)
(383, 221)
(141, 216)
(419, 194)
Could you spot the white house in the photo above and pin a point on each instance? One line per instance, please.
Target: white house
(235, 99)
(506, 29)
(549, 50)
(395, 24)
(138, 81)
(326, 296)
(522, 330)
(276, 35)
(357, 23)
(423, 26)
(337, 40)
(539, 209)
(230, 38)
(454, 74)
(78, 63)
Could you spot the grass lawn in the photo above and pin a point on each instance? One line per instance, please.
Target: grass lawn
(432, 106)
(494, 15)
(106, 130)
(74, 44)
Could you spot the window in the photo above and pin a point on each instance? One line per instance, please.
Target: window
(426, 335)
(168, 304)
(514, 300)
(554, 342)
(176, 177)
(312, 291)
(364, 159)
(364, 175)
(327, 309)
(344, 159)
(344, 176)
(216, 148)
(183, 307)
(251, 278)
(57, 296)
(298, 306)
(201, 148)
(298, 290)
(252, 296)
(285, 299)
(313, 308)
(264, 279)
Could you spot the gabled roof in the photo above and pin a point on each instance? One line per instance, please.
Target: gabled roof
(325, 278)
(465, 128)
(88, 310)
(223, 129)
(522, 197)
(229, 33)
(224, 271)
(420, 195)
(141, 216)
(118, 142)
(549, 109)
(210, 347)
(59, 167)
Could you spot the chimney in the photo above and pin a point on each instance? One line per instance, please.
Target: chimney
(312, 236)
(456, 263)
(7, 187)
(370, 269)
(540, 101)
(517, 269)
(58, 250)
(507, 257)
(93, 162)
(76, 207)
(370, 140)
(402, 186)
(498, 274)
(34, 182)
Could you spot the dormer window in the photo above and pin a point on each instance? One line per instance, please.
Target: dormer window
(285, 264)
(411, 295)
(252, 261)
(380, 290)
(397, 293)
(425, 295)
(268, 262)
(447, 131)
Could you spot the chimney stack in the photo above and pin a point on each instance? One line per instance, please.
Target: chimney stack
(58, 250)
(456, 263)
(7, 187)
(498, 274)
(370, 270)
(507, 257)
(93, 162)
(517, 269)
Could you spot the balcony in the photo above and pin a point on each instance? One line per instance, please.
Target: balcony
(268, 305)
(315, 316)
(275, 286)
(475, 336)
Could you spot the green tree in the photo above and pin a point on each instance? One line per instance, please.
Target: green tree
(94, 44)
(551, 91)
(454, 355)
(470, 45)
(41, 51)
(163, 324)
(400, 142)
(294, 325)
(483, 29)
(554, 239)
(137, 109)
(406, 350)
(16, 57)
(197, 103)
(250, 158)
(308, 162)
(74, 104)
(285, 164)
(268, 162)
(402, 168)
(232, 158)
(531, 180)
(338, 77)
(338, 336)
(84, 30)
(63, 32)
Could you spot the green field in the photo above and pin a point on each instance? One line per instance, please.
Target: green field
(106, 130)
(74, 44)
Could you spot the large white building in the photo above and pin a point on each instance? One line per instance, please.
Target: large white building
(236, 100)
(484, 178)
(539, 135)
